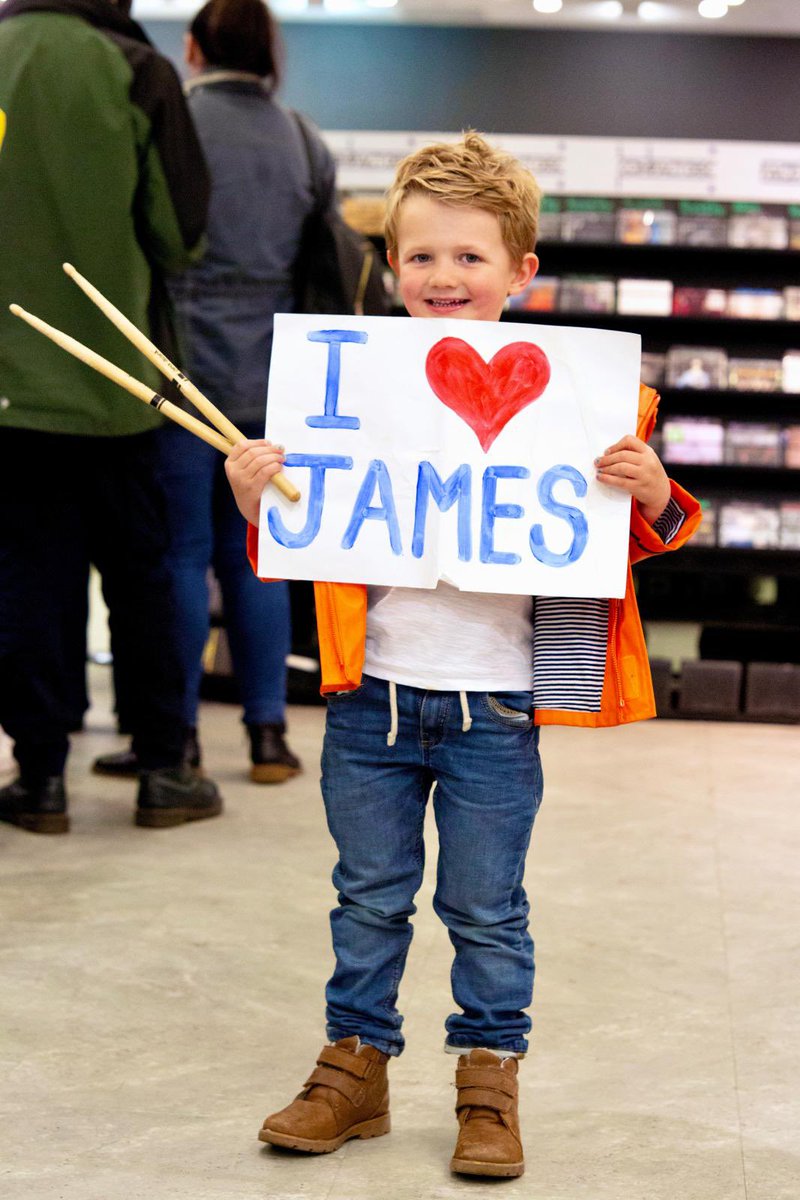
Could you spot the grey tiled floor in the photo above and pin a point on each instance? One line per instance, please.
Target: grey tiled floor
(160, 991)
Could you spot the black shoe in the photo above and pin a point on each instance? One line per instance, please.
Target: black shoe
(174, 795)
(38, 807)
(125, 764)
(273, 761)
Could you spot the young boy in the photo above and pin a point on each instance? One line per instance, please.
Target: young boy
(450, 687)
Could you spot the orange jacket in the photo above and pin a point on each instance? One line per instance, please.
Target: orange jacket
(627, 687)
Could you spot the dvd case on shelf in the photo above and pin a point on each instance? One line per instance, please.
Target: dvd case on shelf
(791, 303)
(753, 444)
(702, 223)
(541, 295)
(587, 294)
(755, 304)
(790, 371)
(644, 297)
(755, 374)
(588, 219)
(706, 534)
(699, 302)
(790, 525)
(748, 525)
(758, 226)
(550, 219)
(693, 440)
(791, 446)
(700, 367)
(646, 223)
(793, 212)
(653, 368)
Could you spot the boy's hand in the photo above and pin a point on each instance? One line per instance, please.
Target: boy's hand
(631, 465)
(249, 467)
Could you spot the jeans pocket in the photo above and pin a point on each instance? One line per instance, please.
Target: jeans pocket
(512, 710)
(347, 694)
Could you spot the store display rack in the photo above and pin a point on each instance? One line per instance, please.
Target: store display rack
(743, 596)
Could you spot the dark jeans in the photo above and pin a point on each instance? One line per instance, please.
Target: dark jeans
(66, 502)
(207, 529)
(488, 790)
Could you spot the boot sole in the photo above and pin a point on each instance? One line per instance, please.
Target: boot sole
(465, 1166)
(166, 818)
(40, 822)
(367, 1129)
(114, 773)
(272, 773)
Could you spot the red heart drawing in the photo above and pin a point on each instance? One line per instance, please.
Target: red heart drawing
(487, 395)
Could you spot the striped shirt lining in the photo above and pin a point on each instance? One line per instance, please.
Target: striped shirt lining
(570, 640)
(570, 637)
(670, 521)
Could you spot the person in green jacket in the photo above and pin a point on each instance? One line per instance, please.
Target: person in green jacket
(99, 166)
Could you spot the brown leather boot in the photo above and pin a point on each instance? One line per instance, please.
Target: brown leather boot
(488, 1140)
(345, 1096)
(273, 761)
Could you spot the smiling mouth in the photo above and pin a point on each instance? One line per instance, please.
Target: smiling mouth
(446, 305)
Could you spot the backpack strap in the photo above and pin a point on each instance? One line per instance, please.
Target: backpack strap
(322, 202)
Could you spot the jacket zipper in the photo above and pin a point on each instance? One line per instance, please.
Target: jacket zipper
(612, 646)
(332, 622)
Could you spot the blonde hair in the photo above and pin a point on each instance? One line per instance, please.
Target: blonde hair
(470, 173)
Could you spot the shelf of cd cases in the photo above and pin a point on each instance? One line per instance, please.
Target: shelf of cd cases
(714, 292)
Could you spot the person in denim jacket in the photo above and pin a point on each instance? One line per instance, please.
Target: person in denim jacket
(261, 195)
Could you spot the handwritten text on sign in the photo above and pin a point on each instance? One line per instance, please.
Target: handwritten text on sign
(457, 450)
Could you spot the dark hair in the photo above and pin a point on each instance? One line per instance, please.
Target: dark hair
(239, 35)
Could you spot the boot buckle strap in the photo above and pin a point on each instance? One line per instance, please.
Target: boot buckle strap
(496, 1079)
(345, 1060)
(477, 1097)
(339, 1082)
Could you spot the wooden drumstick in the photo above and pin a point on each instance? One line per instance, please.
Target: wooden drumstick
(173, 373)
(140, 390)
(124, 380)
(157, 357)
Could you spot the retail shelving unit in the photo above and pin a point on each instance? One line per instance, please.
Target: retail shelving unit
(747, 600)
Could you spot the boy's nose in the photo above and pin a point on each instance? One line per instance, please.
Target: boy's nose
(443, 275)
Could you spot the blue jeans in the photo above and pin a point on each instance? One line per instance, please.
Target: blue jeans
(207, 529)
(488, 790)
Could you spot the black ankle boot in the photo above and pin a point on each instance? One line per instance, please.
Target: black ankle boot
(125, 764)
(273, 761)
(39, 807)
(173, 796)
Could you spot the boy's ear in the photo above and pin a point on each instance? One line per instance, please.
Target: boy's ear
(392, 261)
(525, 273)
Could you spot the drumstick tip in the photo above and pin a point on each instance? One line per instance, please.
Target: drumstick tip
(70, 270)
(16, 310)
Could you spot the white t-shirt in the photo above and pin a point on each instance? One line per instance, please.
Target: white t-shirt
(450, 641)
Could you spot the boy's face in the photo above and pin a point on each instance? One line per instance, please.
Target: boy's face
(452, 261)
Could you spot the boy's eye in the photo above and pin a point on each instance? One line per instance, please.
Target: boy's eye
(471, 258)
(420, 258)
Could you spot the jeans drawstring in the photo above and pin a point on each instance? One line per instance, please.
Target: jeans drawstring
(466, 721)
(391, 736)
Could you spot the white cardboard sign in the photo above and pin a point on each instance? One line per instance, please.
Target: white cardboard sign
(455, 450)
